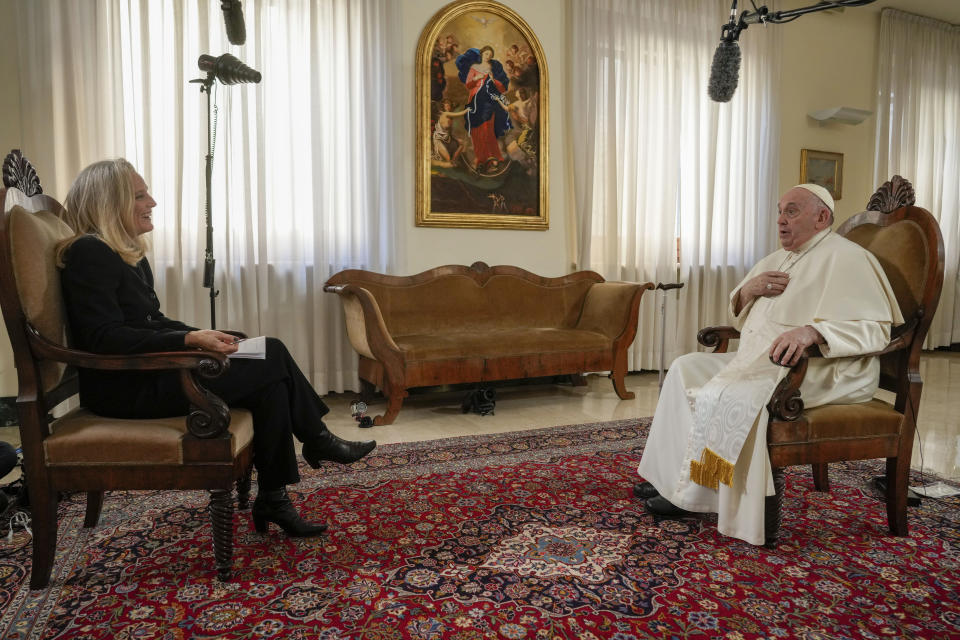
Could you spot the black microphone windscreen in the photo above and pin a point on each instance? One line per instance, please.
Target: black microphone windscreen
(233, 18)
(228, 69)
(725, 71)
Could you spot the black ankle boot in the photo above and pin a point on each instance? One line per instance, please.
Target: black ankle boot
(329, 447)
(273, 505)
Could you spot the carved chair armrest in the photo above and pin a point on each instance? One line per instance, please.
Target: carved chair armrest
(717, 337)
(786, 403)
(209, 419)
(209, 363)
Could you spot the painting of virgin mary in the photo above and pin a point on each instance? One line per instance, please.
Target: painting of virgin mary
(482, 120)
(487, 118)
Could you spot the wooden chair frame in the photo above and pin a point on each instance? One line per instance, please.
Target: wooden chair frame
(208, 460)
(788, 433)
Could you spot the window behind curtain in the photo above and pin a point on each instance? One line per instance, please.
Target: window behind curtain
(302, 179)
(659, 169)
(918, 136)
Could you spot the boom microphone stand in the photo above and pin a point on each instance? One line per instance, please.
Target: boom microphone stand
(228, 70)
(663, 323)
(209, 263)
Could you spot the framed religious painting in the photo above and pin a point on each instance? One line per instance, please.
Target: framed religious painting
(824, 168)
(482, 133)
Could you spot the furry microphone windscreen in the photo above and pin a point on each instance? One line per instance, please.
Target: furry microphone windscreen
(233, 18)
(725, 72)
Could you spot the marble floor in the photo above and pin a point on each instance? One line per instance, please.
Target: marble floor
(426, 416)
(430, 414)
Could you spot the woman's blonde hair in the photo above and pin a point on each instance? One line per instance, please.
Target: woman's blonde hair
(100, 202)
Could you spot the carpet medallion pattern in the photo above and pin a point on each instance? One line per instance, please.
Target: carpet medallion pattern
(522, 535)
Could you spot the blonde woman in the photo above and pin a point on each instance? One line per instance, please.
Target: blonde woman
(112, 308)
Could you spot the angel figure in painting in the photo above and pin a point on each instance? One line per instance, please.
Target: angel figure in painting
(522, 145)
(446, 146)
(487, 119)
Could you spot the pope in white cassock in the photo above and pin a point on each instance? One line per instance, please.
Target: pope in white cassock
(707, 446)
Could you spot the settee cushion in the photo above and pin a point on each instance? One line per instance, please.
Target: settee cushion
(497, 343)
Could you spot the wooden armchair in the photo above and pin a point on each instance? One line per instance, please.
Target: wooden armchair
(209, 449)
(907, 242)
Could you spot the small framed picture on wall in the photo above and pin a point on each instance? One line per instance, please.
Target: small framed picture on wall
(824, 168)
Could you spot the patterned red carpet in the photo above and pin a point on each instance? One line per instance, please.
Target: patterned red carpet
(522, 535)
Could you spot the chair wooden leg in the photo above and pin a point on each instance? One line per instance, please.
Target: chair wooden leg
(898, 476)
(94, 505)
(243, 490)
(821, 479)
(221, 514)
(43, 522)
(773, 511)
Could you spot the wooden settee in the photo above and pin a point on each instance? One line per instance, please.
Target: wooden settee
(456, 324)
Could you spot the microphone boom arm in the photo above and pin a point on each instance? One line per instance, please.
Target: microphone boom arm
(763, 15)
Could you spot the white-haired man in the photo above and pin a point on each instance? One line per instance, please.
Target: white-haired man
(707, 446)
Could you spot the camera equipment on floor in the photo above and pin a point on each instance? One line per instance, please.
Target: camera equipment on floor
(481, 400)
(358, 410)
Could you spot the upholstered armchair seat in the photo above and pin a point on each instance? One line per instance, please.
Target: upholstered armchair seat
(84, 438)
(836, 425)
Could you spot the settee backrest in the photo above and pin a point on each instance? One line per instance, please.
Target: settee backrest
(459, 298)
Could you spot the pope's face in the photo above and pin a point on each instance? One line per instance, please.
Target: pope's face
(800, 218)
(143, 205)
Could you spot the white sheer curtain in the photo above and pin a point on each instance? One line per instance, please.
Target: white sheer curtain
(303, 180)
(918, 135)
(659, 167)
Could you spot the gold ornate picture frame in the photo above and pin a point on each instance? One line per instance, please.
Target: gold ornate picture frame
(482, 122)
(824, 168)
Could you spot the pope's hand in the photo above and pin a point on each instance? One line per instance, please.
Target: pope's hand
(767, 284)
(788, 346)
(211, 340)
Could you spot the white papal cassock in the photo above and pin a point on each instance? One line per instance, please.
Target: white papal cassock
(714, 405)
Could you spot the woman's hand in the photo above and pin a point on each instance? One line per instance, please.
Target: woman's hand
(211, 340)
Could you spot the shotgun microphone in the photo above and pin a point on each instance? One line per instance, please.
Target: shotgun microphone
(725, 70)
(228, 69)
(233, 18)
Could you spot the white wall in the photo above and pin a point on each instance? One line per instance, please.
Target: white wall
(833, 65)
(543, 252)
(10, 138)
(830, 60)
